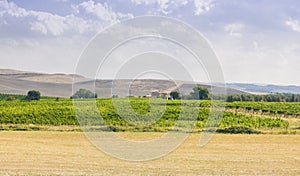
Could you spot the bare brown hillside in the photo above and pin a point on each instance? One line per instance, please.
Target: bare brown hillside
(60, 85)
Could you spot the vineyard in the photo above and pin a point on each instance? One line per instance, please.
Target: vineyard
(269, 108)
(137, 114)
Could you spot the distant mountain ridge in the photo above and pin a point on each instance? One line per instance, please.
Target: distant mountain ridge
(265, 89)
(60, 85)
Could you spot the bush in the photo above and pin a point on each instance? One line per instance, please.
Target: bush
(175, 95)
(83, 93)
(33, 95)
(10, 98)
(199, 93)
(238, 130)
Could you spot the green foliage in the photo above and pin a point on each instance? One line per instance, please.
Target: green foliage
(199, 93)
(33, 95)
(274, 108)
(115, 96)
(83, 93)
(238, 130)
(10, 97)
(46, 112)
(232, 119)
(175, 95)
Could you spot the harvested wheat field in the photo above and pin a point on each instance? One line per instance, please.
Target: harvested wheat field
(70, 153)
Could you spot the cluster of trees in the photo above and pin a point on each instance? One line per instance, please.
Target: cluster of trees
(175, 95)
(258, 98)
(198, 93)
(83, 93)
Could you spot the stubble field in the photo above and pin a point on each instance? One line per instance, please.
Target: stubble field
(70, 153)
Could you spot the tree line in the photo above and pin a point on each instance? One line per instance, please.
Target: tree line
(259, 98)
(198, 93)
(202, 93)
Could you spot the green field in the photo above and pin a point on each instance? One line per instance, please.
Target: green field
(266, 117)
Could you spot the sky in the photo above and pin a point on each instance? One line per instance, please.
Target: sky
(256, 41)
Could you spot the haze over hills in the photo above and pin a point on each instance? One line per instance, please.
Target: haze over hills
(60, 85)
(265, 88)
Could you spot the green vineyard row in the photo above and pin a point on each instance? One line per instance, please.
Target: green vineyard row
(157, 113)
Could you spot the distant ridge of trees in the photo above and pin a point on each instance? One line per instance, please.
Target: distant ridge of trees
(202, 93)
(82, 93)
(259, 98)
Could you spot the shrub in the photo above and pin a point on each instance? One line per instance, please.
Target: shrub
(33, 95)
(83, 93)
(238, 130)
(10, 98)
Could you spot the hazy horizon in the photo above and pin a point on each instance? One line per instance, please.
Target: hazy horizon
(255, 83)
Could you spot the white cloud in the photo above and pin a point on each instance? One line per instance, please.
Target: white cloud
(184, 2)
(146, 2)
(43, 22)
(12, 9)
(164, 4)
(161, 6)
(202, 6)
(103, 12)
(293, 24)
(234, 29)
(56, 25)
(161, 2)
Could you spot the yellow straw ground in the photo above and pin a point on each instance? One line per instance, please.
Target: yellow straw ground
(70, 153)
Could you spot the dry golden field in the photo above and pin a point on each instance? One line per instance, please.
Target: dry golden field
(70, 153)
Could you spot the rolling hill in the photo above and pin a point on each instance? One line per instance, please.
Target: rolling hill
(60, 85)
